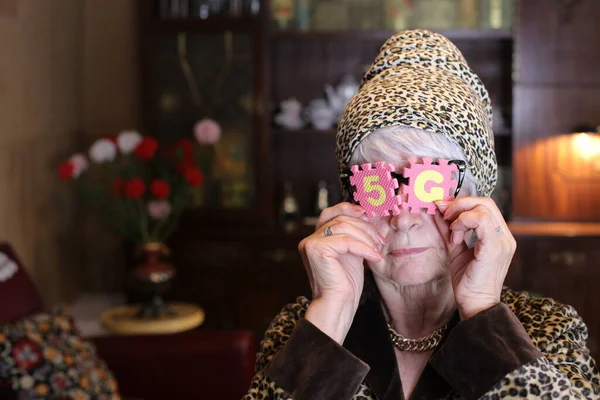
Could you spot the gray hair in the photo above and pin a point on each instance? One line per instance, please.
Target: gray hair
(384, 144)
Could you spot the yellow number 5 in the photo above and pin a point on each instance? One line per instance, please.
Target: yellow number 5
(371, 187)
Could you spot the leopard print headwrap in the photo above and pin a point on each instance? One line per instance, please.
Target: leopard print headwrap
(420, 79)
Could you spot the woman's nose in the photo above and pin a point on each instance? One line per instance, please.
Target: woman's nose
(406, 221)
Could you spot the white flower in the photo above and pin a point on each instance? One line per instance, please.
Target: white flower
(7, 268)
(159, 209)
(103, 150)
(80, 164)
(26, 382)
(128, 141)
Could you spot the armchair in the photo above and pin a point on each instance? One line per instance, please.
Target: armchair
(198, 364)
(191, 365)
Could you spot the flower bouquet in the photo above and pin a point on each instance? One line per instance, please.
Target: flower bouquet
(142, 189)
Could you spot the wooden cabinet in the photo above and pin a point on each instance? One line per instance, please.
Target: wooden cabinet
(557, 42)
(542, 76)
(194, 69)
(557, 53)
(567, 269)
(235, 261)
(315, 59)
(561, 261)
(242, 278)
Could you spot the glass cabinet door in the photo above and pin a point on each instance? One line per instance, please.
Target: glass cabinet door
(199, 76)
(396, 15)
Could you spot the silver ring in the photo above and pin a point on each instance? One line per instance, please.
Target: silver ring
(328, 231)
(499, 229)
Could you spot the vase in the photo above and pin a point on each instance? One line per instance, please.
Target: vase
(152, 278)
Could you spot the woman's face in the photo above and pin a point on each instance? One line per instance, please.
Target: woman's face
(415, 252)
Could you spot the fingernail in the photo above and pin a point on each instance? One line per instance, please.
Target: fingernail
(381, 238)
(358, 209)
(442, 205)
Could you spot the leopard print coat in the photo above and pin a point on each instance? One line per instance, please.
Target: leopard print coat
(566, 370)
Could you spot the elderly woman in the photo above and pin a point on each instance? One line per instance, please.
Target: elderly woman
(412, 304)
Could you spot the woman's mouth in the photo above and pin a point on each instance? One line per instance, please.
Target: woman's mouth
(407, 251)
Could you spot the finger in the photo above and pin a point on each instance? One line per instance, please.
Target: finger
(478, 220)
(362, 224)
(342, 226)
(462, 204)
(343, 208)
(458, 236)
(446, 233)
(337, 245)
(349, 245)
(443, 227)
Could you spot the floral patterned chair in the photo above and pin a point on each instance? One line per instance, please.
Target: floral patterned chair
(42, 354)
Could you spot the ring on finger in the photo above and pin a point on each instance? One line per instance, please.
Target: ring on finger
(328, 231)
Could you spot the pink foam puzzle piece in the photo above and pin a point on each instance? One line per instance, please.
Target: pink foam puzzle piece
(428, 183)
(375, 189)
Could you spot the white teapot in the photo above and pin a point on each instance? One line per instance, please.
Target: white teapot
(320, 114)
(290, 115)
(340, 96)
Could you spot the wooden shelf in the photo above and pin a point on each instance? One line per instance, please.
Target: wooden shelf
(303, 131)
(209, 25)
(571, 229)
(382, 35)
(505, 133)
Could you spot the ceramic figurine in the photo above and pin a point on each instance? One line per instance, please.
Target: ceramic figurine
(289, 117)
(340, 96)
(321, 115)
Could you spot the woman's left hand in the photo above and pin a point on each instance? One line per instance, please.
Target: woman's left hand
(477, 273)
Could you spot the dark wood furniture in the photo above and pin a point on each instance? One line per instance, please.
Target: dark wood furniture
(199, 364)
(560, 260)
(555, 178)
(215, 68)
(541, 75)
(556, 90)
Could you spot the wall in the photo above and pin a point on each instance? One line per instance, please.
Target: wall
(67, 75)
(110, 105)
(40, 117)
(110, 68)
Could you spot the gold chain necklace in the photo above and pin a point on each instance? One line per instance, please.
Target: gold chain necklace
(425, 343)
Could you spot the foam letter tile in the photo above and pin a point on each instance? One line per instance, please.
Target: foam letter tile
(428, 183)
(375, 189)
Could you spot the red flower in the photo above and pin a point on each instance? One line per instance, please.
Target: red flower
(112, 138)
(134, 188)
(193, 176)
(59, 382)
(66, 170)
(184, 164)
(26, 354)
(146, 149)
(160, 189)
(187, 147)
(119, 186)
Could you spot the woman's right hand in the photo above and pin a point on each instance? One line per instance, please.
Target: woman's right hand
(334, 265)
